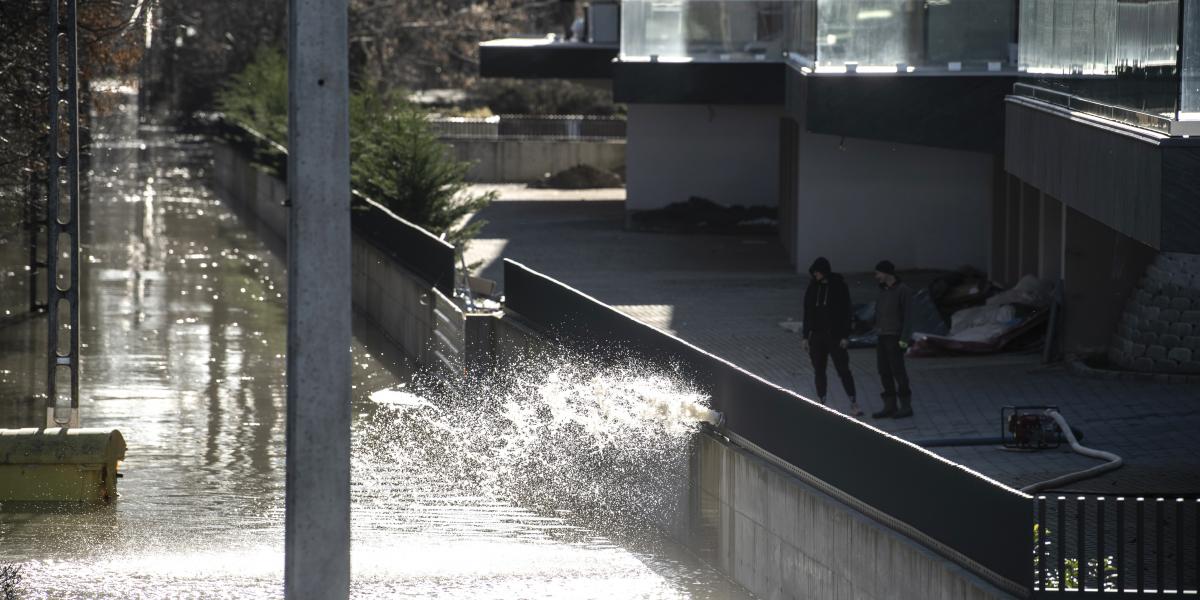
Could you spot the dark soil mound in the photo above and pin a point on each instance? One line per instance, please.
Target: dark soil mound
(580, 177)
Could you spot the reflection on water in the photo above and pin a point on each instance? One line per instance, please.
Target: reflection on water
(184, 333)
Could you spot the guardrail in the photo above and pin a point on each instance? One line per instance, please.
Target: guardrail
(1096, 546)
(976, 522)
(555, 127)
(1119, 114)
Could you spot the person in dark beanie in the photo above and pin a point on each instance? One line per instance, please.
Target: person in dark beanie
(827, 328)
(895, 328)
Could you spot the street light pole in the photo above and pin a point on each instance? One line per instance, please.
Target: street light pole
(317, 537)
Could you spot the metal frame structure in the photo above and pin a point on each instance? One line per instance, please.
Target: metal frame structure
(35, 226)
(1141, 552)
(62, 221)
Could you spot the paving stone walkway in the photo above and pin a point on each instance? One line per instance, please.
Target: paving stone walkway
(728, 294)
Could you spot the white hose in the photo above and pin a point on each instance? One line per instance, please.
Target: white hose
(1114, 461)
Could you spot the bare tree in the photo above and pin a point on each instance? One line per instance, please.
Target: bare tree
(420, 44)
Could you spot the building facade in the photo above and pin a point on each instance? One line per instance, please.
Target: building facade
(1054, 138)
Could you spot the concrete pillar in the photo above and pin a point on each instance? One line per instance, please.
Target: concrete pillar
(997, 254)
(1030, 229)
(317, 531)
(1051, 238)
(1012, 232)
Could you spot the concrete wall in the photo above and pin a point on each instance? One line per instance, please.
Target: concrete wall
(860, 201)
(1036, 234)
(249, 189)
(1110, 174)
(519, 161)
(781, 538)
(496, 339)
(418, 319)
(1102, 268)
(403, 307)
(728, 154)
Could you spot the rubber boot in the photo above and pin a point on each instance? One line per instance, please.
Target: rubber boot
(905, 409)
(889, 408)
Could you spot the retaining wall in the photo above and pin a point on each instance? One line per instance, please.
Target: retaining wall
(524, 160)
(408, 308)
(1159, 331)
(780, 537)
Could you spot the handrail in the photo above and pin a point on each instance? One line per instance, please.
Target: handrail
(1111, 112)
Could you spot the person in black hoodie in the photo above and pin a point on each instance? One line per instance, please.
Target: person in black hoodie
(827, 328)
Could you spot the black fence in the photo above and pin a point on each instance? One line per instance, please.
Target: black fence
(975, 517)
(1096, 546)
(426, 255)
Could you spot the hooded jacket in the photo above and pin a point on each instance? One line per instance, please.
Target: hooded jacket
(826, 303)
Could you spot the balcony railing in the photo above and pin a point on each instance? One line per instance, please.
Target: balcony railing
(827, 35)
(1079, 104)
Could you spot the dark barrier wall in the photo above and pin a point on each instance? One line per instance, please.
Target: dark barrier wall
(981, 519)
(421, 252)
(759, 83)
(964, 112)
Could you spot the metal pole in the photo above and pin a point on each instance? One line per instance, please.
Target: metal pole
(317, 537)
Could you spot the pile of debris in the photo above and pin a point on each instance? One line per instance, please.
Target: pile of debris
(703, 215)
(963, 312)
(579, 177)
(1011, 319)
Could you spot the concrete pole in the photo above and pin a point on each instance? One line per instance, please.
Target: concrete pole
(317, 538)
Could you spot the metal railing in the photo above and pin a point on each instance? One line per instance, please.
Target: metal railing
(1119, 114)
(555, 127)
(1097, 546)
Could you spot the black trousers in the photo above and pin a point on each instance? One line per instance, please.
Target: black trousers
(890, 357)
(820, 349)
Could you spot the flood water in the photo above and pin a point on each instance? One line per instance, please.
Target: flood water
(183, 335)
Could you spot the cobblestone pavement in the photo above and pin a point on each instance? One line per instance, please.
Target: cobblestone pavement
(728, 294)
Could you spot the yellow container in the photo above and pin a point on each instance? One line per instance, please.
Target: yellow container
(59, 464)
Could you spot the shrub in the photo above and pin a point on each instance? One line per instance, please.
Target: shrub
(257, 97)
(395, 159)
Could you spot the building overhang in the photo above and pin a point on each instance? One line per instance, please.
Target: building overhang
(545, 58)
(959, 111)
(1134, 180)
(660, 82)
